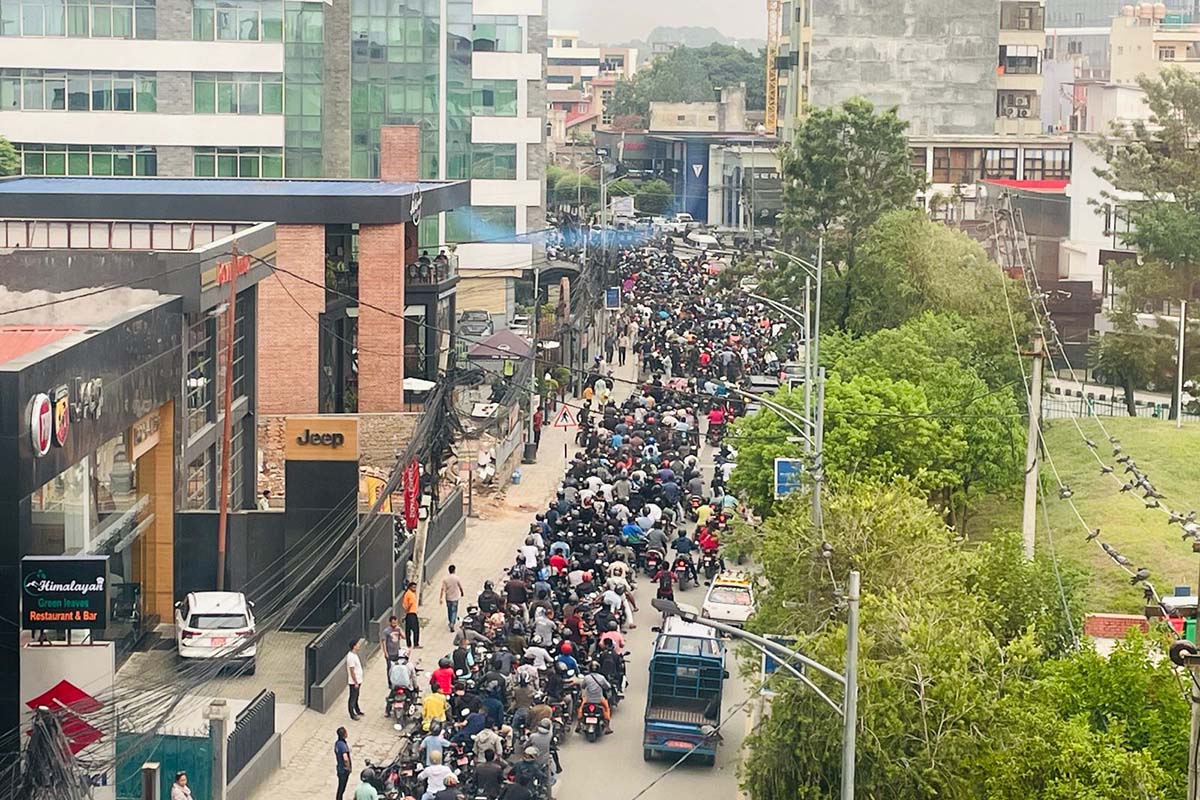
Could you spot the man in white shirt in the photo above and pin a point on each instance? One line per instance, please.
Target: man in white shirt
(354, 678)
(435, 774)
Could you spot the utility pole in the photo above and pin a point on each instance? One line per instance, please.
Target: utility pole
(227, 424)
(850, 700)
(1193, 776)
(1179, 366)
(533, 373)
(817, 312)
(819, 458)
(1029, 511)
(808, 372)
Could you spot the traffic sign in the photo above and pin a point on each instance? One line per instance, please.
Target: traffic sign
(612, 298)
(789, 476)
(565, 419)
(770, 664)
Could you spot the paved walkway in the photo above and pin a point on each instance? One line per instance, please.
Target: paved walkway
(489, 547)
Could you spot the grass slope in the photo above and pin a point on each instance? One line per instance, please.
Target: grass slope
(1170, 457)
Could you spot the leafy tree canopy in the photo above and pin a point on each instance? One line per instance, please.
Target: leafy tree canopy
(10, 164)
(691, 75)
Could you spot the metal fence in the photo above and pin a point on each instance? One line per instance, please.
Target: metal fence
(1059, 407)
(327, 649)
(252, 729)
(443, 523)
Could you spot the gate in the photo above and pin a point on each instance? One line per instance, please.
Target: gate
(174, 752)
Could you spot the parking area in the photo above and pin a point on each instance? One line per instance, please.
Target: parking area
(280, 668)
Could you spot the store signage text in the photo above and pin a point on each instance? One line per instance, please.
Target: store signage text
(41, 423)
(311, 437)
(237, 267)
(64, 592)
(88, 402)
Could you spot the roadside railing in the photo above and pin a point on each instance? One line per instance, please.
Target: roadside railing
(252, 729)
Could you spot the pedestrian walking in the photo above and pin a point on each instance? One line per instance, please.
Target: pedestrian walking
(622, 348)
(354, 679)
(389, 643)
(412, 625)
(451, 593)
(341, 755)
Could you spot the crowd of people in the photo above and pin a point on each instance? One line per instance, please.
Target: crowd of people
(540, 653)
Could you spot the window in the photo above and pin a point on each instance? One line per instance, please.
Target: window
(1000, 162)
(45, 90)
(1047, 164)
(481, 222)
(1020, 59)
(1075, 47)
(1166, 53)
(199, 480)
(237, 20)
(250, 93)
(497, 161)
(237, 162)
(917, 161)
(567, 43)
(71, 159)
(304, 36)
(102, 19)
(494, 98)
(201, 373)
(955, 165)
(500, 34)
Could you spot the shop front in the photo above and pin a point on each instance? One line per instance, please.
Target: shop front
(87, 423)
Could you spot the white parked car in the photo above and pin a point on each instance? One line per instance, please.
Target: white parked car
(680, 223)
(216, 625)
(730, 599)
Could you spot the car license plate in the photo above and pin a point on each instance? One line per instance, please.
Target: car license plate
(678, 744)
(591, 720)
(218, 641)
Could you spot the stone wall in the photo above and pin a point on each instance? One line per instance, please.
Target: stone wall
(380, 438)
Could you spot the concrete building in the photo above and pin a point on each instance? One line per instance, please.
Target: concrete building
(968, 68)
(744, 187)
(268, 88)
(1145, 39)
(725, 114)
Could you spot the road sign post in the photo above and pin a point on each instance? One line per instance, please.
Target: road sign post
(789, 476)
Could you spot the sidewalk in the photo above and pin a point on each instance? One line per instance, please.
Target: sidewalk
(487, 549)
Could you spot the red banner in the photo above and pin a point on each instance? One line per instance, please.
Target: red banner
(412, 494)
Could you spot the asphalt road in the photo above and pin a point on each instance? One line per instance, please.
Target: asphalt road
(612, 768)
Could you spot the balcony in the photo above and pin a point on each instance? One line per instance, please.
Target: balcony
(435, 273)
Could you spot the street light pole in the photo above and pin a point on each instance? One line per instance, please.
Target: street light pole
(819, 456)
(533, 373)
(848, 681)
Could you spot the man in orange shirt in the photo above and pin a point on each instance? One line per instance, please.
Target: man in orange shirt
(412, 626)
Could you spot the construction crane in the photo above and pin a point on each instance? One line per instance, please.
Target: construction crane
(774, 12)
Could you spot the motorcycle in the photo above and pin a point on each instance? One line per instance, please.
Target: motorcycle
(652, 562)
(715, 432)
(694, 503)
(593, 720)
(709, 563)
(683, 573)
(402, 706)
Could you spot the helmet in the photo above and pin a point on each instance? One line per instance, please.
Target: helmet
(443, 663)
(403, 654)
(566, 649)
(531, 751)
(544, 726)
(536, 640)
(612, 626)
(529, 540)
(594, 665)
(435, 727)
(620, 589)
(561, 667)
(488, 586)
(367, 775)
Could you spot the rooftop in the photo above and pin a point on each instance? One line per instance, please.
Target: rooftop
(228, 199)
(21, 340)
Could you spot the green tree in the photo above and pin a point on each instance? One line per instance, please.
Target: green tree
(654, 197)
(10, 163)
(554, 174)
(573, 188)
(691, 75)
(1154, 166)
(847, 167)
(622, 188)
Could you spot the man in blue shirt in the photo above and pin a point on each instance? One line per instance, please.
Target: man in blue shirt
(341, 753)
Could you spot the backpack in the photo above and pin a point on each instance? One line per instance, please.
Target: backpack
(664, 581)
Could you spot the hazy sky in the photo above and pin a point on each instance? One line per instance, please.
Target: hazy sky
(621, 20)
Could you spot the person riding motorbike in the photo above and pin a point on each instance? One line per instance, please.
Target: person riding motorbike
(595, 690)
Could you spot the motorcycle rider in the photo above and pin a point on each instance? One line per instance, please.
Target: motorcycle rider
(543, 740)
(595, 688)
(488, 600)
(489, 774)
(400, 679)
(683, 546)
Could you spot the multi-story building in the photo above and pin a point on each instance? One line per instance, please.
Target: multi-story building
(581, 80)
(968, 68)
(279, 88)
(1145, 39)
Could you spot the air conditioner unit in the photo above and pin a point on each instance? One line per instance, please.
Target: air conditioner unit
(1024, 112)
(1010, 111)
(1020, 101)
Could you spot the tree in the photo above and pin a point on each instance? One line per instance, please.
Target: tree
(572, 189)
(10, 162)
(654, 197)
(690, 75)
(847, 167)
(622, 188)
(1154, 167)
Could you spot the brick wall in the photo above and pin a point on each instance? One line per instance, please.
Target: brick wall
(1113, 626)
(381, 318)
(399, 153)
(288, 336)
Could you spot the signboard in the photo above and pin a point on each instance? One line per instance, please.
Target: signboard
(565, 418)
(602, 152)
(75, 682)
(789, 476)
(41, 424)
(770, 664)
(61, 398)
(64, 593)
(415, 205)
(622, 206)
(412, 494)
(234, 268)
(612, 298)
(321, 438)
(371, 487)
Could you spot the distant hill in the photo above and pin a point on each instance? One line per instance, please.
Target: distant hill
(688, 35)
